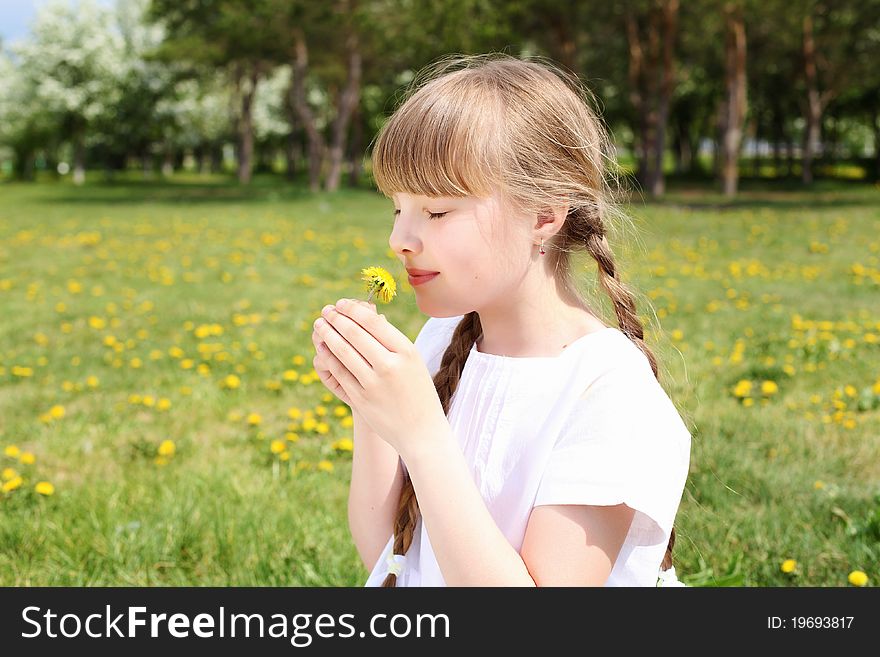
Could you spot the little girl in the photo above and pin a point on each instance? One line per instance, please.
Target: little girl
(568, 460)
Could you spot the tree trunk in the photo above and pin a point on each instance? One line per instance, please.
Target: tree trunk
(355, 148)
(297, 91)
(348, 100)
(816, 102)
(876, 126)
(247, 87)
(79, 158)
(291, 149)
(734, 110)
(651, 88)
(168, 161)
(24, 163)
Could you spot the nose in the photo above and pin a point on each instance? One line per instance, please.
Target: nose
(404, 241)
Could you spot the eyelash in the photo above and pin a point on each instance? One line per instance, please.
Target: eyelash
(433, 215)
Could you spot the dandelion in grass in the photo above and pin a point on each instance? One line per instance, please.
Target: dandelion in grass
(166, 448)
(788, 566)
(12, 484)
(380, 283)
(44, 488)
(857, 578)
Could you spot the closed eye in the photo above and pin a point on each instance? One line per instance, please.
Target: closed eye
(432, 215)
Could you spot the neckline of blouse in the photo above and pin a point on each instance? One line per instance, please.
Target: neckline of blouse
(475, 353)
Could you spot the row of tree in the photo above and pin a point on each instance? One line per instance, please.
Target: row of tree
(154, 79)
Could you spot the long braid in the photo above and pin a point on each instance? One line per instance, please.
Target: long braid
(625, 309)
(446, 381)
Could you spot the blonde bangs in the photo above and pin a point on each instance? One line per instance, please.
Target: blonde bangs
(440, 142)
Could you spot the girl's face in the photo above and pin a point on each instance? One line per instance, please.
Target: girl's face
(480, 255)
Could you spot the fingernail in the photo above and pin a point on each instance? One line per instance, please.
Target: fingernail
(342, 303)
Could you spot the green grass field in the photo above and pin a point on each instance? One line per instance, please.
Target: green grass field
(144, 312)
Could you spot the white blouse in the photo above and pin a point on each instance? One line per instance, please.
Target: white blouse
(589, 426)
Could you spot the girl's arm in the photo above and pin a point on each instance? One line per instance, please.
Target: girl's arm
(376, 482)
(470, 548)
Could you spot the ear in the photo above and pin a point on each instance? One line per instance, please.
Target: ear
(553, 214)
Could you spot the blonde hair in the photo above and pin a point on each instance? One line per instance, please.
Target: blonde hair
(474, 125)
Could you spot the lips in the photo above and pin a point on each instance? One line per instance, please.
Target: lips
(420, 272)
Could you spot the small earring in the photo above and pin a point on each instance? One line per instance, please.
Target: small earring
(541, 250)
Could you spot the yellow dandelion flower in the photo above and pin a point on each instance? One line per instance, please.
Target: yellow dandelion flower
(290, 375)
(294, 413)
(254, 419)
(857, 578)
(769, 387)
(819, 484)
(325, 465)
(231, 381)
(148, 400)
(67, 386)
(743, 388)
(277, 446)
(92, 381)
(850, 391)
(97, 322)
(57, 412)
(44, 488)
(166, 448)
(163, 404)
(8, 473)
(187, 363)
(135, 363)
(12, 484)
(27, 458)
(284, 456)
(344, 444)
(788, 566)
(160, 460)
(380, 283)
(291, 436)
(134, 399)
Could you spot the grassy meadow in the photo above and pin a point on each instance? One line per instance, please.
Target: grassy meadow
(161, 423)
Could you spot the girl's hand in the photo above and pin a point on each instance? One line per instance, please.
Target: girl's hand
(323, 358)
(383, 375)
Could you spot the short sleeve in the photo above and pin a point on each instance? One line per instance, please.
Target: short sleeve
(624, 442)
(433, 339)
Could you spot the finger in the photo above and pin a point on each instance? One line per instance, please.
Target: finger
(383, 332)
(331, 383)
(335, 366)
(344, 351)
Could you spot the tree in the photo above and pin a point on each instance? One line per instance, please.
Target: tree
(245, 38)
(72, 62)
(734, 104)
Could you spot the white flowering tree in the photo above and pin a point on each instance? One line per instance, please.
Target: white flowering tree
(72, 62)
(203, 110)
(272, 124)
(25, 127)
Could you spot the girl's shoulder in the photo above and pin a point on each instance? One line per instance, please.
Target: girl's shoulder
(433, 339)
